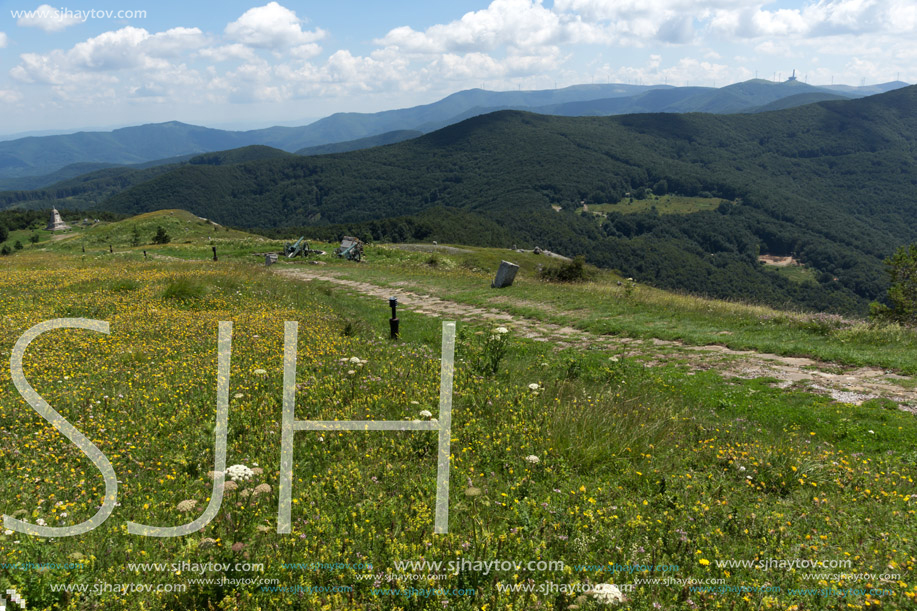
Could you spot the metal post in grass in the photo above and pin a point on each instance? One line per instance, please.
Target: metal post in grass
(214, 252)
(393, 321)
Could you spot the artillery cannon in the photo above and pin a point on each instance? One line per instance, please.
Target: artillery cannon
(351, 248)
(300, 249)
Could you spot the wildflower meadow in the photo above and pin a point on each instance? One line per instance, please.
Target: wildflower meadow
(579, 478)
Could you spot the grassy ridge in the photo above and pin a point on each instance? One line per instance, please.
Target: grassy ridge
(603, 307)
(600, 306)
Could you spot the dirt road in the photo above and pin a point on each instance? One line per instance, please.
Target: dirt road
(841, 382)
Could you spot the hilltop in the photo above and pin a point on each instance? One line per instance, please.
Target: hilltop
(135, 234)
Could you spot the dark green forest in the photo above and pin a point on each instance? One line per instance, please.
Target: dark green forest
(831, 183)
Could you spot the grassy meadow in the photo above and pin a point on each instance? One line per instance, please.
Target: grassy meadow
(663, 204)
(676, 486)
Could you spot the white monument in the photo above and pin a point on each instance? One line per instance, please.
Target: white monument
(56, 223)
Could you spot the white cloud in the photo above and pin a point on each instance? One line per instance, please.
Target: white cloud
(228, 52)
(49, 19)
(687, 71)
(818, 19)
(677, 30)
(9, 97)
(126, 49)
(271, 26)
(306, 51)
(3, 40)
(517, 24)
(508, 39)
(769, 47)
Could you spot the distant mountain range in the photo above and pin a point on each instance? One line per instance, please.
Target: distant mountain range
(35, 162)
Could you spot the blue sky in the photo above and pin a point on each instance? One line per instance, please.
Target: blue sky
(253, 64)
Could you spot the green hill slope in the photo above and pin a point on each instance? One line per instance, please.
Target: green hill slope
(181, 226)
(362, 143)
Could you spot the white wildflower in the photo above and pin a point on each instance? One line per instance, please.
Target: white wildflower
(426, 413)
(261, 372)
(239, 472)
(531, 458)
(501, 330)
(607, 593)
(534, 386)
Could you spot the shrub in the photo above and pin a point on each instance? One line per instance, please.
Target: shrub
(568, 271)
(161, 236)
(901, 268)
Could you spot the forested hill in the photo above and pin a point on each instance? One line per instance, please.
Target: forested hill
(832, 182)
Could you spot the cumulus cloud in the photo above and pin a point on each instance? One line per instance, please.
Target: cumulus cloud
(517, 24)
(306, 51)
(49, 19)
(3, 40)
(818, 19)
(228, 52)
(271, 26)
(508, 39)
(676, 30)
(128, 48)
